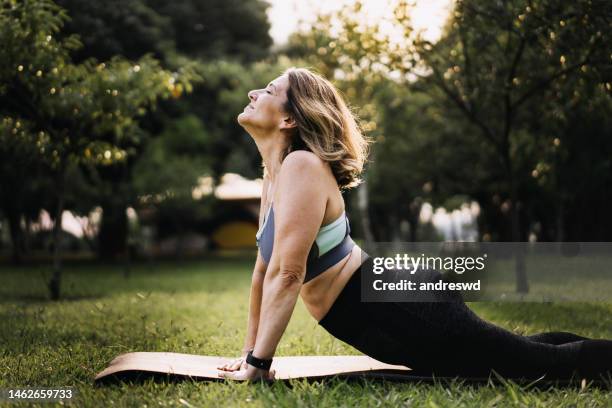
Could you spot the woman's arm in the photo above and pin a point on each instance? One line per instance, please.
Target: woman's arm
(297, 219)
(298, 213)
(257, 281)
(255, 295)
(253, 318)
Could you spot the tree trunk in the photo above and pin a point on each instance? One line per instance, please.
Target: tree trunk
(414, 214)
(395, 231)
(413, 232)
(560, 233)
(14, 219)
(522, 285)
(112, 238)
(363, 204)
(56, 277)
(27, 236)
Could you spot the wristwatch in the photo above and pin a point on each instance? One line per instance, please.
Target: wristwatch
(258, 362)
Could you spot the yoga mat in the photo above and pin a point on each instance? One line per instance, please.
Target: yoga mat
(205, 367)
(177, 366)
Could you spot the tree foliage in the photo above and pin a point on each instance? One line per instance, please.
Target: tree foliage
(508, 86)
(198, 29)
(72, 113)
(503, 84)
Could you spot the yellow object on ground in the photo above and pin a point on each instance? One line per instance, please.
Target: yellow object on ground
(235, 235)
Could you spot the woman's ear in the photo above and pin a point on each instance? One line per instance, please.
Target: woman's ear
(288, 122)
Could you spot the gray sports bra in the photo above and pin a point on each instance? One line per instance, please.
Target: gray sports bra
(321, 256)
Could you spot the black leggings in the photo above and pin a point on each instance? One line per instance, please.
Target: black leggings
(447, 339)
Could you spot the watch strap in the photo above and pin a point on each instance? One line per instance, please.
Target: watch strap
(258, 362)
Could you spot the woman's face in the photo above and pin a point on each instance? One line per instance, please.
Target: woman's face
(265, 112)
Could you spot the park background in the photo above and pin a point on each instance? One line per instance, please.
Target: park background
(490, 120)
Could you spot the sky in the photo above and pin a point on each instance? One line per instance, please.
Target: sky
(428, 15)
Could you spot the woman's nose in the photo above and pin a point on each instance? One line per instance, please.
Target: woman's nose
(252, 95)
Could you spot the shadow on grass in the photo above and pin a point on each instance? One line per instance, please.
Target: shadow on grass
(24, 332)
(94, 281)
(29, 298)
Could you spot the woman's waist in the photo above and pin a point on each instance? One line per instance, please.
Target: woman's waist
(321, 292)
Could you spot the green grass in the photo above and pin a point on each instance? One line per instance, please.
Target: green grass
(201, 308)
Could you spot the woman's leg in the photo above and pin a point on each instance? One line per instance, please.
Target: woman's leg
(470, 346)
(447, 338)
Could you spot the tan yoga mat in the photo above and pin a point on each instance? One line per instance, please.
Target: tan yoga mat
(205, 367)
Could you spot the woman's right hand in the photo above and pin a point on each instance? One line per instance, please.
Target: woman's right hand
(236, 364)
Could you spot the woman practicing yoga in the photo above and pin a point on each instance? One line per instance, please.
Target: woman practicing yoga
(312, 148)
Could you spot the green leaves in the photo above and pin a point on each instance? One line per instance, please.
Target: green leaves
(88, 110)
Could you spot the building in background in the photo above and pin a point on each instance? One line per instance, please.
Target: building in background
(243, 198)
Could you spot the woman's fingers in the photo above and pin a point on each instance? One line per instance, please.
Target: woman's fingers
(233, 375)
(246, 375)
(224, 366)
(224, 375)
(232, 366)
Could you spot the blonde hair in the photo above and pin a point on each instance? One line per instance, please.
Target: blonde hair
(326, 126)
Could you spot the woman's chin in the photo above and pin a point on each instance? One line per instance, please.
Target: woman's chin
(242, 118)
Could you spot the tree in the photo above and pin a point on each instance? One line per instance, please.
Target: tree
(220, 38)
(128, 28)
(499, 68)
(166, 174)
(495, 57)
(203, 30)
(73, 113)
(20, 200)
(213, 29)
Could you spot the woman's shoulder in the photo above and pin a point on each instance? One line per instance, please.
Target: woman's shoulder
(303, 160)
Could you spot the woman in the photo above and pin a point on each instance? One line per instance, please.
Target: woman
(312, 149)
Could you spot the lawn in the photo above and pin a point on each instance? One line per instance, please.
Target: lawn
(201, 308)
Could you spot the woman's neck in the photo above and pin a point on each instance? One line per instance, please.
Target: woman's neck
(271, 152)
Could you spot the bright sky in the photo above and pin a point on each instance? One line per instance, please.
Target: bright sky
(428, 15)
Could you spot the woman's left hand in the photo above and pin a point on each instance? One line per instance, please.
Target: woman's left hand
(250, 373)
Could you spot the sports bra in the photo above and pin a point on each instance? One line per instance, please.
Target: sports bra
(331, 245)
